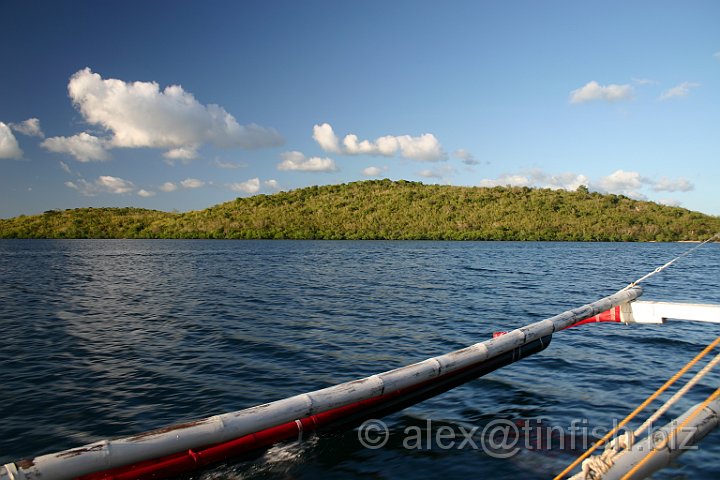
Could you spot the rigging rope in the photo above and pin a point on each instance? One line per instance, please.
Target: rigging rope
(660, 269)
(639, 409)
(678, 395)
(596, 466)
(715, 395)
(601, 463)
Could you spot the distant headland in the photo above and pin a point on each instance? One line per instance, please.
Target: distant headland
(389, 210)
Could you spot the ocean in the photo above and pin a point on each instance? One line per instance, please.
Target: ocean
(108, 338)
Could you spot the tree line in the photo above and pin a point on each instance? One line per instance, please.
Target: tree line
(388, 210)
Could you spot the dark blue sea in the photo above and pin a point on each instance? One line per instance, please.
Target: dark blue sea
(108, 338)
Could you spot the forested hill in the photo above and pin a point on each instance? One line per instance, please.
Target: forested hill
(384, 209)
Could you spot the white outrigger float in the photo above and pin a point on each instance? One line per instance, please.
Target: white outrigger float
(186, 447)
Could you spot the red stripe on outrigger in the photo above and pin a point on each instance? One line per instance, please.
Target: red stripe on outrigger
(189, 460)
(612, 315)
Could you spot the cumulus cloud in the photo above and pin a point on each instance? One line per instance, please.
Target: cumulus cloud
(29, 127)
(425, 147)
(139, 114)
(83, 146)
(538, 178)
(629, 184)
(593, 91)
(9, 147)
(103, 184)
(249, 186)
(183, 154)
(192, 183)
(168, 187)
(145, 193)
(565, 181)
(326, 138)
(298, 162)
(272, 185)
(65, 167)
(679, 91)
(507, 179)
(622, 182)
(669, 185)
(466, 157)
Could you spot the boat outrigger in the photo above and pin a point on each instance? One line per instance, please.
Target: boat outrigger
(186, 447)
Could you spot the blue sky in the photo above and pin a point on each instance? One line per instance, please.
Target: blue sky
(178, 105)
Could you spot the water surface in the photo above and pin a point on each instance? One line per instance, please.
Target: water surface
(106, 338)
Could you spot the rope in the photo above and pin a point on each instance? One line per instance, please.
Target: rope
(640, 408)
(680, 393)
(660, 269)
(601, 463)
(656, 449)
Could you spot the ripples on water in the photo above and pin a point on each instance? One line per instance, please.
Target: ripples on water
(107, 338)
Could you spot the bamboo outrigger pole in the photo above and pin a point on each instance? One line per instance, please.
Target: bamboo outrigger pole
(180, 448)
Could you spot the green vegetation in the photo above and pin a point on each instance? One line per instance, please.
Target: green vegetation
(384, 209)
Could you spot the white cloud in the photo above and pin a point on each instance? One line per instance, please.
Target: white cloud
(103, 184)
(373, 171)
(297, 161)
(168, 187)
(679, 91)
(592, 91)
(192, 183)
(422, 148)
(623, 183)
(629, 183)
(249, 186)
(114, 184)
(145, 193)
(466, 157)
(538, 178)
(139, 114)
(9, 147)
(326, 138)
(30, 127)
(620, 182)
(679, 184)
(83, 146)
(65, 167)
(184, 154)
(565, 181)
(506, 179)
(272, 184)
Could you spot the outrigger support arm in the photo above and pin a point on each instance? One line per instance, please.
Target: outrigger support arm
(659, 312)
(656, 312)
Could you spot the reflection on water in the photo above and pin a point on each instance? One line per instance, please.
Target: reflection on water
(106, 338)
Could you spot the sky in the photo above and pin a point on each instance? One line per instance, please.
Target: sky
(178, 105)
